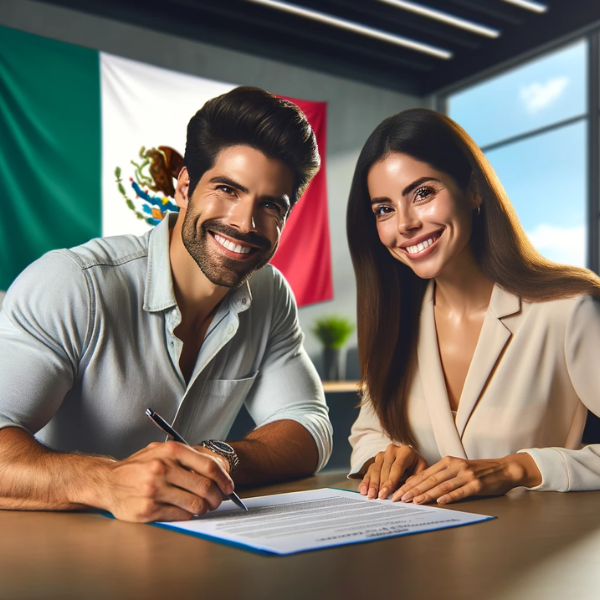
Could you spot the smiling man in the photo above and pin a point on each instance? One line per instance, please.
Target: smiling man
(186, 320)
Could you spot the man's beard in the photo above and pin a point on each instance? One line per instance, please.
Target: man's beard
(218, 268)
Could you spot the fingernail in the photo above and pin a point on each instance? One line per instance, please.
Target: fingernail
(383, 494)
(408, 496)
(371, 494)
(442, 500)
(418, 499)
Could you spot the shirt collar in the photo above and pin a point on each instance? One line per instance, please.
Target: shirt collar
(159, 294)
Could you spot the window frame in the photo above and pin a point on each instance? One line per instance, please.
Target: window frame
(591, 115)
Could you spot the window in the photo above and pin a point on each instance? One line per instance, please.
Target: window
(532, 124)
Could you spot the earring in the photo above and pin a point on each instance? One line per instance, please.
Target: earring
(478, 211)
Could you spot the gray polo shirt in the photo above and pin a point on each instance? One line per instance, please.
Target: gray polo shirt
(87, 344)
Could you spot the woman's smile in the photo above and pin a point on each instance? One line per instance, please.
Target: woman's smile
(422, 246)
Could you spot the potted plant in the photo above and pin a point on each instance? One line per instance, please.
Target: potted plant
(333, 332)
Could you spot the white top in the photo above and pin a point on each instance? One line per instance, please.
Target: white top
(534, 375)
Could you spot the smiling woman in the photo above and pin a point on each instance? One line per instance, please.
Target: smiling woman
(476, 352)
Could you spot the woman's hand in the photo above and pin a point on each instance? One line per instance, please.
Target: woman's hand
(453, 479)
(390, 468)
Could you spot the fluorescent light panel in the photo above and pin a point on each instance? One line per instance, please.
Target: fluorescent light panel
(398, 40)
(438, 15)
(537, 7)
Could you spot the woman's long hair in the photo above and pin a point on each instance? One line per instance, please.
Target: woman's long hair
(390, 295)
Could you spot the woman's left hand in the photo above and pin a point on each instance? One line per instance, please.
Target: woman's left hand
(453, 479)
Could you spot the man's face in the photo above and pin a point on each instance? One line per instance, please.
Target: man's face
(233, 221)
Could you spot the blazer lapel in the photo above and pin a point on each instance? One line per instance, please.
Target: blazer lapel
(492, 340)
(434, 384)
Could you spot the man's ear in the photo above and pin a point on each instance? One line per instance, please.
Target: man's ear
(182, 189)
(474, 192)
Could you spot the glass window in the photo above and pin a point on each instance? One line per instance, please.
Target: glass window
(539, 93)
(545, 179)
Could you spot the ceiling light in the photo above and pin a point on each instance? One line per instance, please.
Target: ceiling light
(438, 15)
(356, 28)
(537, 7)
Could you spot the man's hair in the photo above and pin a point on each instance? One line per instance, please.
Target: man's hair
(249, 116)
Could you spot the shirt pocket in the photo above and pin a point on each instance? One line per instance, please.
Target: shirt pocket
(218, 403)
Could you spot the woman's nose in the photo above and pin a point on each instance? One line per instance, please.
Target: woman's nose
(408, 219)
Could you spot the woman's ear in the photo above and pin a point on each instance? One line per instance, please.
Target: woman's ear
(473, 193)
(182, 189)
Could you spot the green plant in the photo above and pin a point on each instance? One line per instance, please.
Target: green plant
(333, 331)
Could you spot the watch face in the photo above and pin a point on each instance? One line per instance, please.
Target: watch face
(223, 446)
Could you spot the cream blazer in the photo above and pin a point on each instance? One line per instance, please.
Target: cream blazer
(534, 375)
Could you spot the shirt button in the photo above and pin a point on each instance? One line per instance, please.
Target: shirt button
(230, 329)
(243, 300)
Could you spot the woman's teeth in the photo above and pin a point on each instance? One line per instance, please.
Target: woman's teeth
(420, 247)
(231, 246)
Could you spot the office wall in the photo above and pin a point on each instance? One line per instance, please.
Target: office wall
(354, 109)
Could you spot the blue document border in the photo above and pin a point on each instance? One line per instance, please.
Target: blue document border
(263, 552)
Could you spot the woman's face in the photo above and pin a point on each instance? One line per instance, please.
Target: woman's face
(422, 217)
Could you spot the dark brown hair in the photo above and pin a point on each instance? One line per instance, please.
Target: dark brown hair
(389, 294)
(249, 116)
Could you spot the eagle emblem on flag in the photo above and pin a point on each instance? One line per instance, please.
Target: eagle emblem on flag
(152, 183)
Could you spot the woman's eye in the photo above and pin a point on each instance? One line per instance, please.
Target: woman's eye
(382, 210)
(423, 193)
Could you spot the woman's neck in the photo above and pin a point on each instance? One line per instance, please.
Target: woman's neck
(463, 289)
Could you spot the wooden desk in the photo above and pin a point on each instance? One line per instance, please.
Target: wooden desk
(543, 545)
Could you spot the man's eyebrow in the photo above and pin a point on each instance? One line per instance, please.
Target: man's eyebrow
(409, 188)
(230, 183)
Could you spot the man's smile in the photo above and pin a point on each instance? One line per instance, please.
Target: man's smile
(233, 248)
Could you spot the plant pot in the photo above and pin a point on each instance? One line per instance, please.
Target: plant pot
(334, 364)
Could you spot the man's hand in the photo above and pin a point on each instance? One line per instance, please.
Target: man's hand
(164, 482)
(453, 479)
(389, 469)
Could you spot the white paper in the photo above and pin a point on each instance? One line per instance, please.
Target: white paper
(301, 521)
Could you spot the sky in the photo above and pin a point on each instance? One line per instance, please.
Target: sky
(544, 175)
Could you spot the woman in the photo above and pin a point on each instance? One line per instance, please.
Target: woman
(479, 357)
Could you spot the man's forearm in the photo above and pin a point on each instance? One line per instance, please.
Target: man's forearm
(33, 477)
(277, 451)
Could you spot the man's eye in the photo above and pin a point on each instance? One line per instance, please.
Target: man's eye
(273, 206)
(226, 189)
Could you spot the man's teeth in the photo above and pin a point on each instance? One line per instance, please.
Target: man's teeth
(231, 246)
(419, 247)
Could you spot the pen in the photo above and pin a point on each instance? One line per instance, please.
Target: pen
(160, 422)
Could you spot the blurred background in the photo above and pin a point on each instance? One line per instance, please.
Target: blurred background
(522, 77)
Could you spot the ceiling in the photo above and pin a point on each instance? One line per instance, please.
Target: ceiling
(257, 27)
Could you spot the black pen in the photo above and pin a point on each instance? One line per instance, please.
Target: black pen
(160, 422)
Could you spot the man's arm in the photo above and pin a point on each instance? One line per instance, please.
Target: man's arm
(294, 434)
(274, 452)
(162, 482)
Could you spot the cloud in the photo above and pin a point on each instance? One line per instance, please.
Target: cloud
(539, 95)
(561, 244)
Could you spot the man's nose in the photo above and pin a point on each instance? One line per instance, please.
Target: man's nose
(242, 215)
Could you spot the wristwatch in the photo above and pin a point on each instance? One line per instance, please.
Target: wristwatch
(223, 449)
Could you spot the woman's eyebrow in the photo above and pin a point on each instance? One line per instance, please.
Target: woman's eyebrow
(409, 188)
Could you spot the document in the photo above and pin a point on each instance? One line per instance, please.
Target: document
(301, 521)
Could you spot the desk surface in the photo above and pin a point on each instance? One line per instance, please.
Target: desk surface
(543, 545)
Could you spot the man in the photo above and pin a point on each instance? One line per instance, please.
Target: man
(184, 320)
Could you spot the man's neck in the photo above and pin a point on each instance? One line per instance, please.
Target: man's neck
(197, 297)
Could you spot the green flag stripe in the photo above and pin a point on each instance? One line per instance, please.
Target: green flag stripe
(50, 148)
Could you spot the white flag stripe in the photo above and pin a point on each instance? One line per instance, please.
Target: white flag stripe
(142, 105)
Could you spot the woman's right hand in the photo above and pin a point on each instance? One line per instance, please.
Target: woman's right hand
(390, 469)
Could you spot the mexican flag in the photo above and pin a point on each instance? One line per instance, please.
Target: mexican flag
(89, 145)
